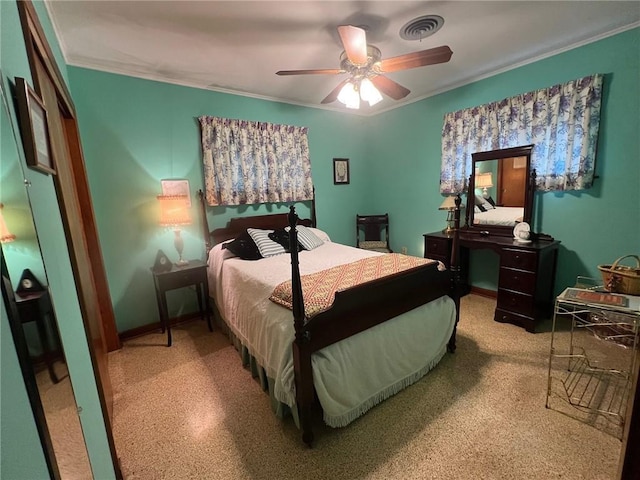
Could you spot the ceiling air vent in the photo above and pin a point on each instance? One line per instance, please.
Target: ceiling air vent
(421, 27)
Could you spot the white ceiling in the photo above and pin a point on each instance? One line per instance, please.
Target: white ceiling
(237, 46)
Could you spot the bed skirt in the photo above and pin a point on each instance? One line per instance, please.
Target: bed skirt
(282, 410)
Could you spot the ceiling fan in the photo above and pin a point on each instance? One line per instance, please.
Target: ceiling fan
(365, 66)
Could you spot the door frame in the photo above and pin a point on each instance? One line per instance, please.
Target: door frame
(74, 200)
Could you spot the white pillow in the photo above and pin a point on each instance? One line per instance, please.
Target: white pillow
(307, 238)
(321, 234)
(266, 246)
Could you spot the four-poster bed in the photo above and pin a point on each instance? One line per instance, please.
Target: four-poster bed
(311, 342)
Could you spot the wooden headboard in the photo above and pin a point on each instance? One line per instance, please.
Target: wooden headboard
(238, 225)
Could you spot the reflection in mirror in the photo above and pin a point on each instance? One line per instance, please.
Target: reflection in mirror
(32, 318)
(500, 190)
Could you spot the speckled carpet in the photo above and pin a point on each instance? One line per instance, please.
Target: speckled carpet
(193, 412)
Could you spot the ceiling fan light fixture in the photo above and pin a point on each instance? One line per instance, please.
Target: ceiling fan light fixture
(349, 96)
(369, 93)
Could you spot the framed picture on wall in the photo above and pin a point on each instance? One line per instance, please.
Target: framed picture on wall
(340, 171)
(176, 187)
(34, 128)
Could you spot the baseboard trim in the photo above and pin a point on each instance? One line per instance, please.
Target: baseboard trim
(483, 292)
(150, 327)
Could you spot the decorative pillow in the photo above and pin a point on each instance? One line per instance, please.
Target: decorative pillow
(307, 238)
(267, 247)
(321, 234)
(490, 200)
(483, 204)
(476, 209)
(244, 247)
(281, 236)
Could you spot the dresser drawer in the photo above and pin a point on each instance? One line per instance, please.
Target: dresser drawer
(525, 321)
(178, 279)
(521, 259)
(518, 280)
(437, 247)
(516, 302)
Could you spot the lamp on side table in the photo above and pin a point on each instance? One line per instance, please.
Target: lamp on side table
(174, 212)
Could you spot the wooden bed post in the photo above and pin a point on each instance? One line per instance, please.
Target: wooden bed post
(314, 222)
(470, 204)
(301, 350)
(205, 223)
(455, 271)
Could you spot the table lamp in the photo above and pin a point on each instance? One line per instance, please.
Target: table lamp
(174, 212)
(449, 204)
(484, 181)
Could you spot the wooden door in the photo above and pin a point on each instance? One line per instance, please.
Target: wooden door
(512, 180)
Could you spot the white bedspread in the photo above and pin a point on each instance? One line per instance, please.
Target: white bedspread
(507, 216)
(350, 376)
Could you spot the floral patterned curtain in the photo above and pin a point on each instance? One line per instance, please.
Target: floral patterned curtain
(561, 122)
(254, 162)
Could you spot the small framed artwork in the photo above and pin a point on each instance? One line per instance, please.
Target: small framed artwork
(34, 128)
(176, 187)
(340, 171)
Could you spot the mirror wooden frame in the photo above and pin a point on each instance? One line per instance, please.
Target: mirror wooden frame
(530, 174)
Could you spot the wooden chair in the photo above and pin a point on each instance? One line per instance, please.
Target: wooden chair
(370, 230)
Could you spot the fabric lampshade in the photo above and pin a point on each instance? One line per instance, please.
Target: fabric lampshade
(5, 235)
(174, 210)
(449, 203)
(484, 180)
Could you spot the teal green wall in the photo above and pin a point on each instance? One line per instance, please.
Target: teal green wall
(136, 132)
(595, 226)
(14, 63)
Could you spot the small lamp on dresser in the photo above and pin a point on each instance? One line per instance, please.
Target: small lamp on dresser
(484, 181)
(449, 204)
(174, 212)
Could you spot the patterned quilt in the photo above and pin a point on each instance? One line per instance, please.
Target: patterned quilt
(319, 289)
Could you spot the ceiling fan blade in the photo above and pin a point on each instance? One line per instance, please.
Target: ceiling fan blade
(416, 59)
(389, 87)
(326, 71)
(333, 96)
(354, 40)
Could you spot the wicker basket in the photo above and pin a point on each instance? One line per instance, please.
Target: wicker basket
(620, 278)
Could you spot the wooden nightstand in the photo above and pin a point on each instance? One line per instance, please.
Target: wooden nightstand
(36, 307)
(195, 273)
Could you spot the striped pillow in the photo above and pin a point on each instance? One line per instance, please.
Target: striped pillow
(266, 246)
(307, 238)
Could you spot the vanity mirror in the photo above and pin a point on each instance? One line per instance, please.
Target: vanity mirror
(501, 189)
(31, 317)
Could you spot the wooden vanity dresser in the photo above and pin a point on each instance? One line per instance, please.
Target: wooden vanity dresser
(527, 273)
(527, 269)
